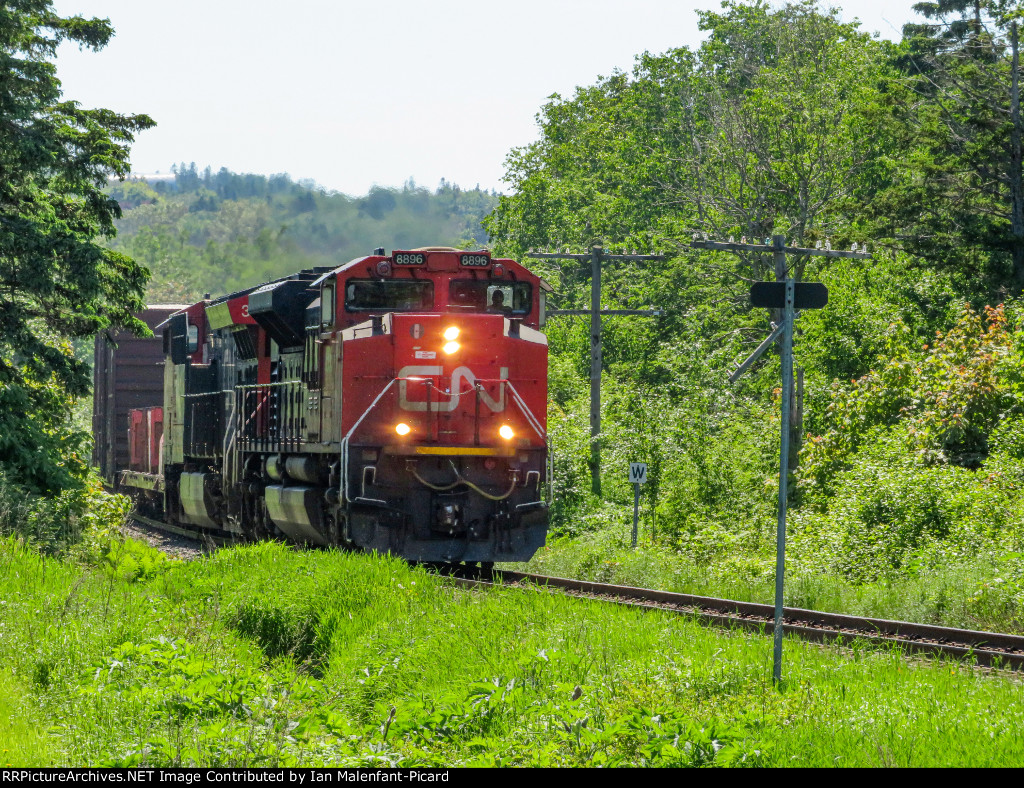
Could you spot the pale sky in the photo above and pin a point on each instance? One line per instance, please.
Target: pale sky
(352, 94)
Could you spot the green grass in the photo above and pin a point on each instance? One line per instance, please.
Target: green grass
(267, 656)
(22, 742)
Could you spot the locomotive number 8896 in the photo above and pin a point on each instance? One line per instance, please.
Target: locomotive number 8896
(395, 403)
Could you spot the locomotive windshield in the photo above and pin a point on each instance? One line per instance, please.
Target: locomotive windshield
(510, 298)
(388, 295)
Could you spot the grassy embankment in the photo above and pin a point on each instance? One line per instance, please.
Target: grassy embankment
(263, 655)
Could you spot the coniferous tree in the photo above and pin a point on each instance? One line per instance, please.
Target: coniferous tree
(959, 201)
(57, 283)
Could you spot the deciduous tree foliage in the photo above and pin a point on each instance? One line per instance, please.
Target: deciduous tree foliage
(57, 282)
(775, 124)
(769, 127)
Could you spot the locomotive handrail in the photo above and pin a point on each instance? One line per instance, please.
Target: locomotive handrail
(259, 405)
(230, 433)
(371, 407)
(286, 433)
(344, 455)
(527, 412)
(344, 441)
(196, 411)
(241, 386)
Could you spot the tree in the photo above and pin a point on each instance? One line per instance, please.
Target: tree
(774, 131)
(769, 127)
(959, 202)
(57, 283)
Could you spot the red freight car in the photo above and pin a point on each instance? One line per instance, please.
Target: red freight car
(146, 435)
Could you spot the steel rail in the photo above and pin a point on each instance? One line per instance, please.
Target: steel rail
(990, 649)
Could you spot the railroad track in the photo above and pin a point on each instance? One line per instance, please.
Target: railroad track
(989, 649)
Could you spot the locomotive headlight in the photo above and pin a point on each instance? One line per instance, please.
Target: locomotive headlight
(451, 333)
(506, 432)
(450, 347)
(403, 429)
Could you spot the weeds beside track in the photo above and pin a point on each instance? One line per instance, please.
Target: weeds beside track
(988, 649)
(265, 655)
(991, 649)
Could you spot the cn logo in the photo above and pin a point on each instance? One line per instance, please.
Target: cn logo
(440, 401)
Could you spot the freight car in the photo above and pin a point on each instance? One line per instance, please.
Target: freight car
(128, 374)
(396, 404)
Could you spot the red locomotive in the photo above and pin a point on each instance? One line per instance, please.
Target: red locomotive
(397, 403)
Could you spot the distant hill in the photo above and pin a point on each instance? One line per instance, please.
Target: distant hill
(206, 232)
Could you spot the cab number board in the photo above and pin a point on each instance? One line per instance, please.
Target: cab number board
(406, 258)
(476, 260)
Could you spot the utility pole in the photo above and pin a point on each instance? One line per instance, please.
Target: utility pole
(778, 250)
(596, 257)
(783, 296)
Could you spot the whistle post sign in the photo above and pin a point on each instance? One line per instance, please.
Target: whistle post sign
(637, 476)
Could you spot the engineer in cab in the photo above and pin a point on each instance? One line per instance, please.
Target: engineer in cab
(498, 303)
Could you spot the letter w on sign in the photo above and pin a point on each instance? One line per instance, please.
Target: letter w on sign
(638, 473)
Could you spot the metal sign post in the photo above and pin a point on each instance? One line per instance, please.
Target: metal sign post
(637, 475)
(786, 295)
(780, 537)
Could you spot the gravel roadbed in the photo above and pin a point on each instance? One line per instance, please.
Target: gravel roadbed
(175, 546)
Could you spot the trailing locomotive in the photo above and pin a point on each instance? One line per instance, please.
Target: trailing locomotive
(396, 404)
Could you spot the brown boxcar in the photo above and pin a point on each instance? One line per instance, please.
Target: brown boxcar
(130, 375)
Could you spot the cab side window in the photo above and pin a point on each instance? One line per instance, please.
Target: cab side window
(389, 295)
